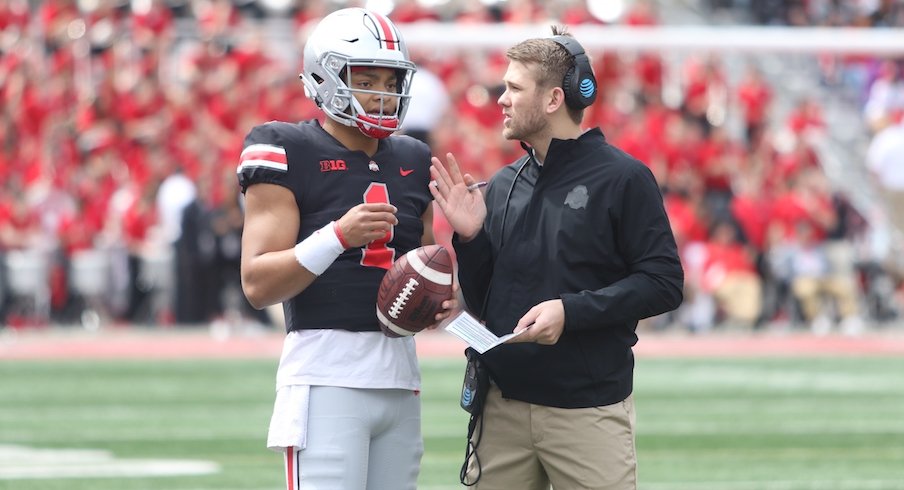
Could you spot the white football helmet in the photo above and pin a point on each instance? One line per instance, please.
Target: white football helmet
(355, 37)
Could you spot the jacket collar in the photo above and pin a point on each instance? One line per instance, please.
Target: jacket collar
(562, 149)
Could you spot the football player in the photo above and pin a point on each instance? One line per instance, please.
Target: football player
(329, 207)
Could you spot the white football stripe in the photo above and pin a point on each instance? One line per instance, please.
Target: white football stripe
(428, 273)
(263, 147)
(263, 163)
(392, 326)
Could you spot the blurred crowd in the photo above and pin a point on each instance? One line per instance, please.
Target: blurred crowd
(121, 123)
(806, 13)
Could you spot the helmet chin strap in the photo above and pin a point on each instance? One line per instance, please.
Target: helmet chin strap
(378, 128)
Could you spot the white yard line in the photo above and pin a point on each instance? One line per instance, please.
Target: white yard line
(22, 462)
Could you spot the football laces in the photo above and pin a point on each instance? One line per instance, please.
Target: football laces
(402, 298)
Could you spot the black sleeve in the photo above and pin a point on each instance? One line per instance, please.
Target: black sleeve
(264, 158)
(475, 268)
(655, 281)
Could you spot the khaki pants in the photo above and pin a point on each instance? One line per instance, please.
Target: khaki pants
(528, 447)
(894, 200)
(741, 297)
(810, 292)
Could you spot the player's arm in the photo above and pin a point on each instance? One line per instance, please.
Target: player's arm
(270, 271)
(274, 267)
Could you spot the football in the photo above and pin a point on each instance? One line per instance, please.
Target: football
(413, 290)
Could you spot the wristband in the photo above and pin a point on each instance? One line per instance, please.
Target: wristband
(339, 235)
(316, 252)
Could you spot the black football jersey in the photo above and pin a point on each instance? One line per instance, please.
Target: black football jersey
(327, 180)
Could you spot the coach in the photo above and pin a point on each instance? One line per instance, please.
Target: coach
(573, 244)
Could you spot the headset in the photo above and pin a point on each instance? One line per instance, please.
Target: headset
(579, 84)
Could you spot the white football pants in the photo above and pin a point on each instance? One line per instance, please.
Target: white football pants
(358, 439)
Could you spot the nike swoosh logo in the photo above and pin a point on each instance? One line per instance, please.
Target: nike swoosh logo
(405, 173)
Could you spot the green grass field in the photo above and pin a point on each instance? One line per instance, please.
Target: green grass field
(703, 424)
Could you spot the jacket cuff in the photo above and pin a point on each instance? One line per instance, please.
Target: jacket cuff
(576, 317)
(478, 244)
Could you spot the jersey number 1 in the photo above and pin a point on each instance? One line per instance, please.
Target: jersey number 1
(376, 253)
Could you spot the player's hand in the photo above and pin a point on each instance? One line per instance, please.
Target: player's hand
(464, 209)
(543, 323)
(367, 222)
(451, 307)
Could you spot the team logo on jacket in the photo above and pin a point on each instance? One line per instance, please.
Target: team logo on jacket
(577, 198)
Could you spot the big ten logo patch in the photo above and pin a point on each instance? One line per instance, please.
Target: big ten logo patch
(332, 165)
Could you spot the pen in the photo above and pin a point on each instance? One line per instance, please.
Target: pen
(475, 186)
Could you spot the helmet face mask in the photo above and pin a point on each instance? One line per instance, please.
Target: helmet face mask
(351, 39)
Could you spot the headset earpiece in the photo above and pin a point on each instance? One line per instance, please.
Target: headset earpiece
(579, 84)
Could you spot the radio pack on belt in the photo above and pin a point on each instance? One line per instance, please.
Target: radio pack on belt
(476, 384)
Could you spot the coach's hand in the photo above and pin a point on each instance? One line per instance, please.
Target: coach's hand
(464, 208)
(542, 324)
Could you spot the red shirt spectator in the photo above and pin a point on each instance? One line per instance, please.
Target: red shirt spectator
(787, 165)
(56, 16)
(754, 97)
(152, 21)
(641, 13)
(34, 111)
(704, 88)
(718, 160)
(801, 205)
(578, 13)
(726, 259)
(684, 215)
(649, 72)
(76, 231)
(634, 139)
(20, 224)
(215, 18)
(523, 12)
(411, 11)
(138, 219)
(13, 13)
(806, 115)
(751, 208)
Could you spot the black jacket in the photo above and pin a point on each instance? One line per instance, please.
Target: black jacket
(588, 227)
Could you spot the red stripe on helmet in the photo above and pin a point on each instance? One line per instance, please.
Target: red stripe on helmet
(389, 35)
